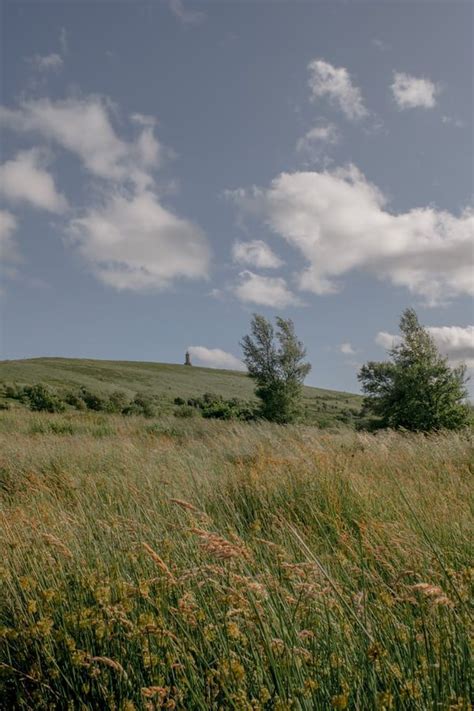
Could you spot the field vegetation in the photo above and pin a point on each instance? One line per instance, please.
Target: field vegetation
(190, 563)
(165, 387)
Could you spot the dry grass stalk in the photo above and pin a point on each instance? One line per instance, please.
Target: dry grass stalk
(159, 562)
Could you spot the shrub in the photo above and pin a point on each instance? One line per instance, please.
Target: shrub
(40, 398)
(141, 404)
(185, 411)
(14, 392)
(117, 402)
(75, 401)
(216, 407)
(92, 400)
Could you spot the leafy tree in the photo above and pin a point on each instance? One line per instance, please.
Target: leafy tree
(416, 390)
(276, 362)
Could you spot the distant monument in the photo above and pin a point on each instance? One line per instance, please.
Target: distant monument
(187, 359)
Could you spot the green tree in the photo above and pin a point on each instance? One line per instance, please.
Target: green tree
(415, 390)
(275, 360)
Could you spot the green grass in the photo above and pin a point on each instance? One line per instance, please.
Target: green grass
(215, 565)
(165, 381)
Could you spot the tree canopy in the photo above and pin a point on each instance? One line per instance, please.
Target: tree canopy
(416, 390)
(275, 360)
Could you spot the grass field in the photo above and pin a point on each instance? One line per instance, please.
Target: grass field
(163, 381)
(214, 565)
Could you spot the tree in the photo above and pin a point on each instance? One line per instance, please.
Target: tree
(416, 390)
(276, 363)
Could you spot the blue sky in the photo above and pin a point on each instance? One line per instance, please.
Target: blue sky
(170, 167)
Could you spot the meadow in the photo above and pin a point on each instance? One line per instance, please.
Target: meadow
(166, 381)
(201, 564)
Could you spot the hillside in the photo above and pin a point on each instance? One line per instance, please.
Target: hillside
(163, 380)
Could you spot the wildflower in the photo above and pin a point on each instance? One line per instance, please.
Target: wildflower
(128, 705)
(32, 607)
(43, 627)
(384, 701)
(277, 645)
(374, 652)
(233, 630)
(264, 695)
(340, 701)
(209, 633)
(27, 583)
(310, 686)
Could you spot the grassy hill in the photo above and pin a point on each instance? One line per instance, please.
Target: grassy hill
(162, 380)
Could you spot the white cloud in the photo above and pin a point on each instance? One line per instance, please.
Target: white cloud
(8, 248)
(314, 142)
(340, 223)
(25, 178)
(84, 127)
(453, 121)
(387, 340)
(47, 63)
(336, 84)
(263, 290)
(255, 254)
(347, 349)
(215, 358)
(133, 242)
(412, 92)
(188, 17)
(143, 119)
(380, 44)
(455, 342)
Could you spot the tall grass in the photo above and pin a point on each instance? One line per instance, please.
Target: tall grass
(210, 565)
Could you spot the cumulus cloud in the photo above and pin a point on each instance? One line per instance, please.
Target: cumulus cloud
(47, 63)
(133, 242)
(387, 340)
(339, 222)
(347, 349)
(25, 179)
(84, 127)
(266, 291)
(455, 342)
(215, 358)
(412, 92)
(127, 236)
(256, 254)
(8, 248)
(336, 84)
(315, 141)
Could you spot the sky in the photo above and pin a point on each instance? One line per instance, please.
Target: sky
(170, 167)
